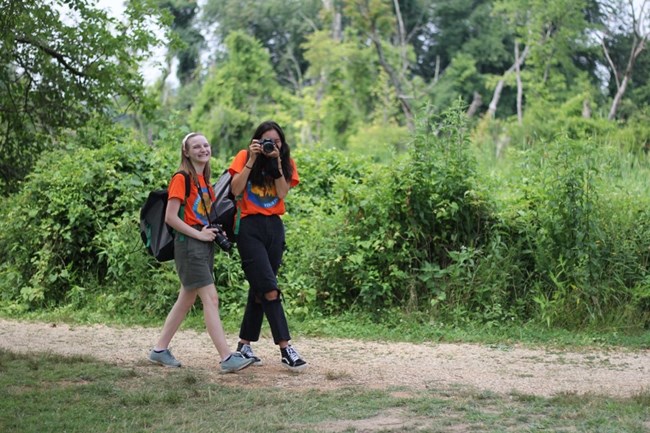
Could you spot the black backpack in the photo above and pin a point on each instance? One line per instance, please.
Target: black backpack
(156, 235)
(225, 206)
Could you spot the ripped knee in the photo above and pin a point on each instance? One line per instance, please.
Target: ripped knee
(271, 296)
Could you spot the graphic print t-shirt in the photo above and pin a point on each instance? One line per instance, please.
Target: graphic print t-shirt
(260, 200)
(195, 212)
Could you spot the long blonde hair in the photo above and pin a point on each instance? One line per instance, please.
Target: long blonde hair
(186, 164)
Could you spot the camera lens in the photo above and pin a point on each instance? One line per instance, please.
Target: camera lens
(221, 239)
(268, 145)
(223, 242)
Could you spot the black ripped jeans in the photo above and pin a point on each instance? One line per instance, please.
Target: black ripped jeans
(261, 244)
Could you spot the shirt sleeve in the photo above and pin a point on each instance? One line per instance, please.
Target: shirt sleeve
(295, 179)
(238, 163)
(176, 187)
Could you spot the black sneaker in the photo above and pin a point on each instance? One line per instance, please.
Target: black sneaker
(291, 359)
(247, 352)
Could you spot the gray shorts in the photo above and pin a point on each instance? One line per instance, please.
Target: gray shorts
(194, 262)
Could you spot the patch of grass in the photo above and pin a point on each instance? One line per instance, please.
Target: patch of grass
(416, 327)
(80, 395)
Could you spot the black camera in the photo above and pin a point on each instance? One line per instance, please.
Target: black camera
(221, 239)
(268, 145)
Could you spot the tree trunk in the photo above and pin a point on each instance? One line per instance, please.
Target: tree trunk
(586, 109)
(394, 79)
(436, 75)
(617, 99)
(637, 48)
(492, 109)
(401, 36)
(476, 104)
(337, 33)
(520, 91)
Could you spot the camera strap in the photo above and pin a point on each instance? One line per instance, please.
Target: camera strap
(238, 217)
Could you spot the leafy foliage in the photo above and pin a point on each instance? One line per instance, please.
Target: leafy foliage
(281, 26)
(62, 62)
(346, 76)
(567, 201)
(395, 220)
(189, 36)
(238, 94)
(72, 202)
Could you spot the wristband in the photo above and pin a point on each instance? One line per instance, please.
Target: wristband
(250, 168)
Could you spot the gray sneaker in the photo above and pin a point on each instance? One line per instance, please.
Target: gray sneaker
(247, 352)
(164, 358)
(235, 362)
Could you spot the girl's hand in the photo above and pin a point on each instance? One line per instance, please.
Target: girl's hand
(274, 154)
(207, 234)
(255, 148)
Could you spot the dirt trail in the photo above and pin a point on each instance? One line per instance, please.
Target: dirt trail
(338, 363)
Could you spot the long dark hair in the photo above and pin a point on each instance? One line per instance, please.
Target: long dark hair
(257, 176)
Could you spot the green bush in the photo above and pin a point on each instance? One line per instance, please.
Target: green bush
(573, 216)
(557, 233)
(389, 224)
(56, 227)
(315, 223)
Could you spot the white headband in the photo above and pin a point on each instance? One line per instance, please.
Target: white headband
(191, 134)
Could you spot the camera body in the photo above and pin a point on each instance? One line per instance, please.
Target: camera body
(268, 145)
(221, 239)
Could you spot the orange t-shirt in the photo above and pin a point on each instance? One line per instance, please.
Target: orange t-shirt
(258, 199)
(195, 212)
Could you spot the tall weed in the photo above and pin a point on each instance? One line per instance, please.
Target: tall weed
(399, 221)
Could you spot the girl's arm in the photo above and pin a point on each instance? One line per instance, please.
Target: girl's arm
(238, 182)
(281, 184)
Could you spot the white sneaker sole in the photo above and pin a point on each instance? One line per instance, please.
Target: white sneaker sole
(163, 364)
(234, 370)
(295, 369)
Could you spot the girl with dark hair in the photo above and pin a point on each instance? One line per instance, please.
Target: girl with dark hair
(263, 175)
(194, 255)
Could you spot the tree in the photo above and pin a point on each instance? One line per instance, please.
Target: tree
(551, 32)
(377, 21)
(463, 32)
(280, 25)
(629, 25)
(61, 62)
(516, 67)
(343, 76)
(191, 41)
(237, 94)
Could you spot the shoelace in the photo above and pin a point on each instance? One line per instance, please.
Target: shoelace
(246, 350)
(292, 354)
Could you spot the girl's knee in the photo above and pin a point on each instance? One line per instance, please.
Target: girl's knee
(211, 299)
(186, 298)
(271, 295)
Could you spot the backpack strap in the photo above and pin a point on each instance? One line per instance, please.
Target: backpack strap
(238, 217)
(186, 175)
